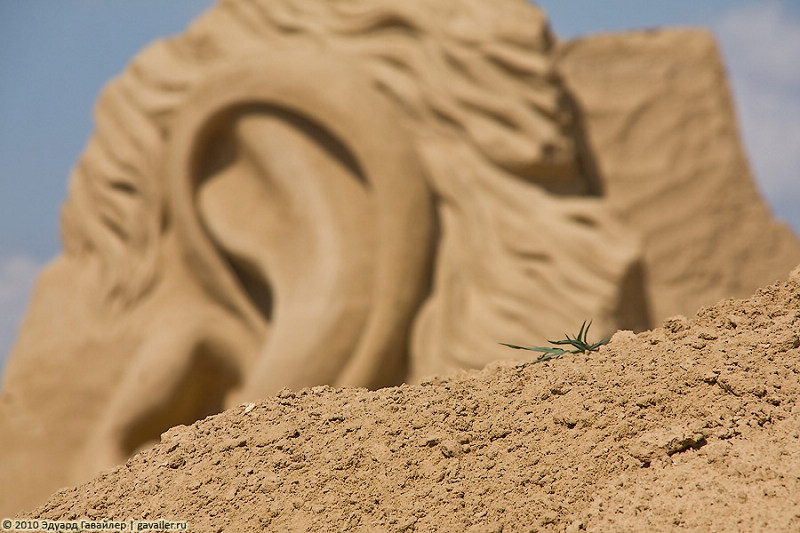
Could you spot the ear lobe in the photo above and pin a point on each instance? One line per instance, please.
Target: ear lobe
(299, 205)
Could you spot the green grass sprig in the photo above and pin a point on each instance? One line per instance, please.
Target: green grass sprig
(579, 343)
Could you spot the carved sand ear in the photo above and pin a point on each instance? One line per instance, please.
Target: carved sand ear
(300, 205)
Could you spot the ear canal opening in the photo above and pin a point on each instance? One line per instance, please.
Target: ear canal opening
(254, 285)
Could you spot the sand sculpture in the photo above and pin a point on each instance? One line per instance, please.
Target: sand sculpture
(360, 193)
(661, 125)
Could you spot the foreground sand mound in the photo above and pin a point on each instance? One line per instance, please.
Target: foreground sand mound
(690, 427)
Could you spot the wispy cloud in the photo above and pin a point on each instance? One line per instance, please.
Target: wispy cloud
(761, 41)
(17, 274)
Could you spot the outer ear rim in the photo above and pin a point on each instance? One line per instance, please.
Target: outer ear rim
(349, 106)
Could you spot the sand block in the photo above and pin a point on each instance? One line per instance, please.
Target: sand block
(661, 124)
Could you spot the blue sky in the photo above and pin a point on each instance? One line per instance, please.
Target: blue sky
(55, 56)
